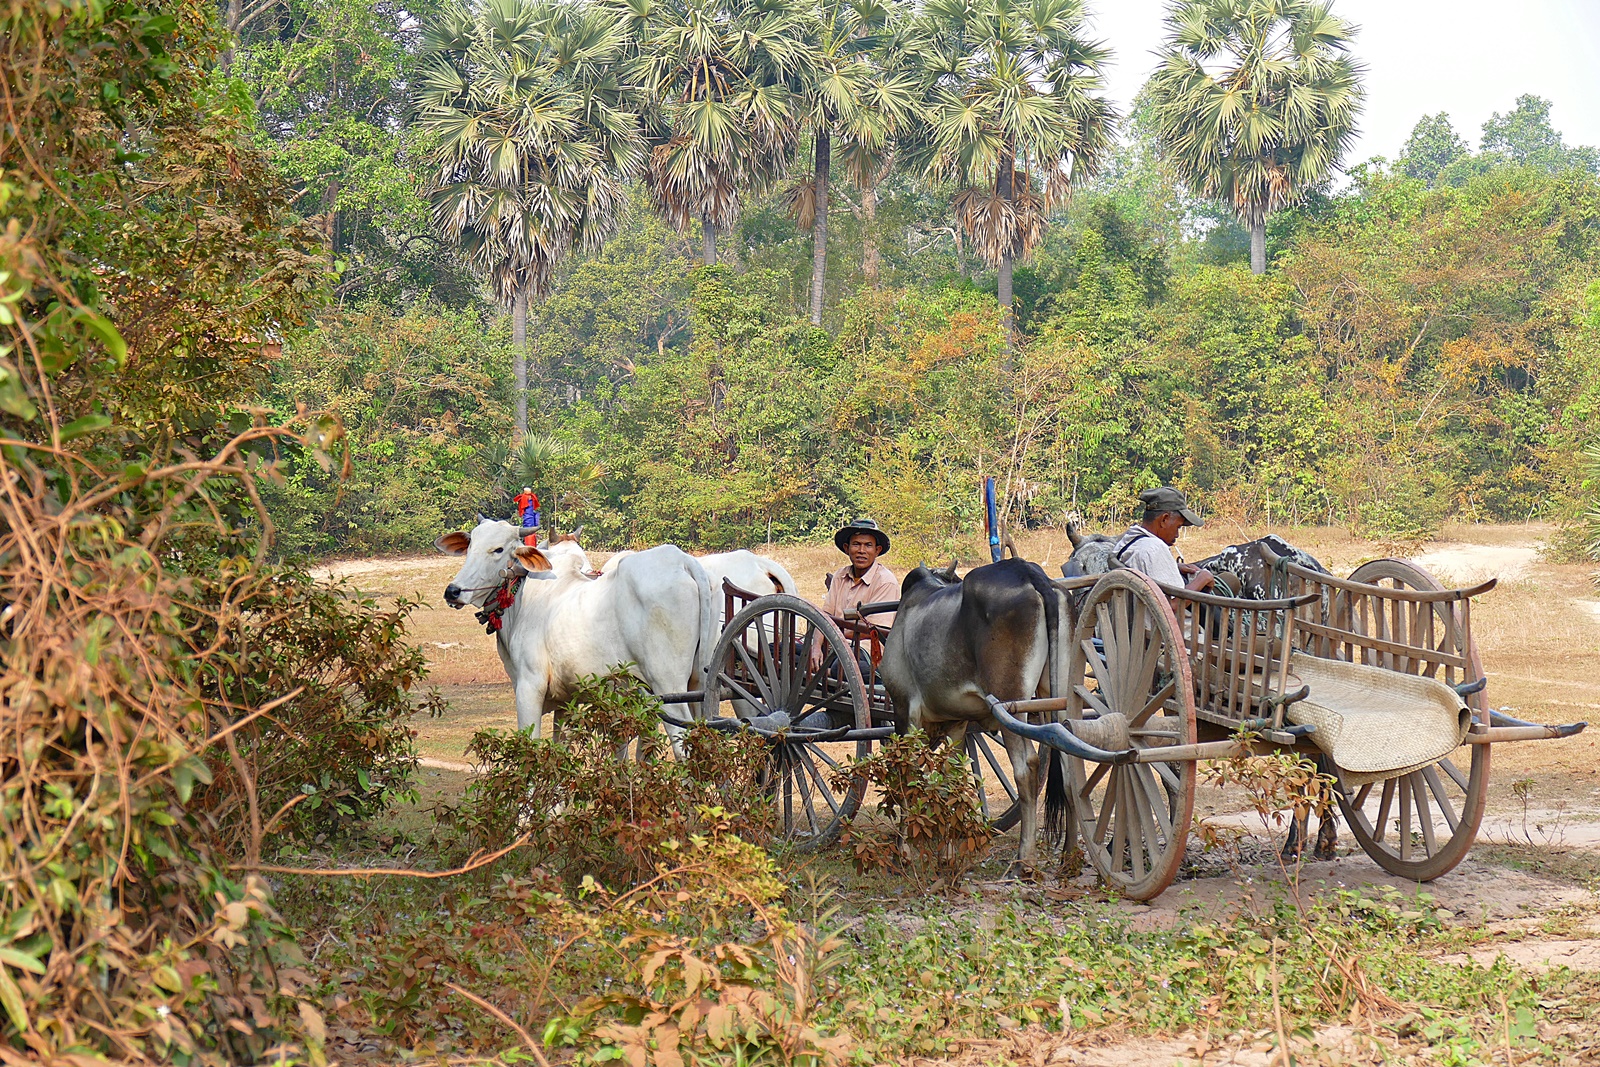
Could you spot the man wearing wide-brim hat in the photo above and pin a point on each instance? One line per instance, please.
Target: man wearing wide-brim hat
(1147, 544)
(863, 580)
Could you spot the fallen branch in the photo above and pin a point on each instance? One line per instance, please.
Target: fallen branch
(527, 1038)
(371, 872)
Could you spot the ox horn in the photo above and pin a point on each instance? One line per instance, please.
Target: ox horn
(1057, 736)
(479, 516)
(1073, 535)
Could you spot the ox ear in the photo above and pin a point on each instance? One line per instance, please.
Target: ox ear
(532, 558)
(573, 536)
(453, 544)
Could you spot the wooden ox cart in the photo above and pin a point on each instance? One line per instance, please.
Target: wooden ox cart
(1378, 670)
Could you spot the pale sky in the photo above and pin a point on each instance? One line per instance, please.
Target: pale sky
(1470, 58)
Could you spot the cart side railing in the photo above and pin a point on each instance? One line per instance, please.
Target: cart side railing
(1411, 631)
(1239, 654)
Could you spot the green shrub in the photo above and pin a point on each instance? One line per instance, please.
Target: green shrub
(586, 810)
(939, 832)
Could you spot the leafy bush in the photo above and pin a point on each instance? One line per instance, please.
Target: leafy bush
(590, 812)
(338, 749)
(165, 689)
(697, 961)
(685, 994)
(939, 832)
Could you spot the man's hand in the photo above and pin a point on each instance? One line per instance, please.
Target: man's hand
(1199, 580)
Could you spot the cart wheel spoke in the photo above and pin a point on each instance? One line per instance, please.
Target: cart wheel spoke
(1419, 795)
(1162, 695)
(763, 663)
(1454, 772)
(817, 776)
(1001, 771)
(1446, 808)
(768, 699)
(1381, 823)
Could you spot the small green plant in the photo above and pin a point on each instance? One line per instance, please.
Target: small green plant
(685, 995)
(1281, 786)
(587, 809)
(939, 833)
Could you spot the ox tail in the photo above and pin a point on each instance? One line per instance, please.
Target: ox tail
(698, 675)
(782, 581)
(1057, 801)
(1057, 804)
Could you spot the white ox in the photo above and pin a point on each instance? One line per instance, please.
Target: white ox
(654, 610)
(750, 572)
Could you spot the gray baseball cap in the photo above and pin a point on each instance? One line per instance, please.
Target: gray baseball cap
(1166, 498)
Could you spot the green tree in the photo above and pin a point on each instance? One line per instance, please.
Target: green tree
(534, 143)
(1013, 117)
(1255, 102)
(844, 95)
(1432, 146)
(329, 79)
(1524, 135)
(721, 116)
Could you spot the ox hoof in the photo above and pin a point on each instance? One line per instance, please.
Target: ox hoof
(1017, 871)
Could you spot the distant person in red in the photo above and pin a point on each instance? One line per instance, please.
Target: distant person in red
(527, 503)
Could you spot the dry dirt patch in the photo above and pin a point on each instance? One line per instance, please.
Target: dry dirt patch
(1038, 1048)
(1468, 563)
(1537, 955)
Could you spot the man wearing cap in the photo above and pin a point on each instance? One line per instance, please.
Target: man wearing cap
(863, 580)
(1147, 546)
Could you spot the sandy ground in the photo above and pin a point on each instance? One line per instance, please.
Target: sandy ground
(1539, 637)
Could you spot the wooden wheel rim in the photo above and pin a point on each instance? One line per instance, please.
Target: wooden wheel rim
(1133, 819)
(762, 658)
(1419, 825)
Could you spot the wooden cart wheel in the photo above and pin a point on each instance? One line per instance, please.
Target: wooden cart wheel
(1420, 825)
(763, 666)
(1133, 690)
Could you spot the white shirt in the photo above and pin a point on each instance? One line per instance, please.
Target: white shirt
(1144, 551)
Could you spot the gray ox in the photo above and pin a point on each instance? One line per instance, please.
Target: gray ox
(956, 640)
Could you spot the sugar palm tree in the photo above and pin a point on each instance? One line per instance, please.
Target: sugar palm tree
(1014, 116)
(721, 120)
(1255, 102)
(845, 95)
(534, 142)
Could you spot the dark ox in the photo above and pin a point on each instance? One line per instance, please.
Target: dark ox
(955, 640)
(1244, 572)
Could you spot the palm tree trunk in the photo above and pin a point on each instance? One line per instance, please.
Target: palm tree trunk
(519, 358)
(869, 234)
(1258, 246)
(1003, 188)
(710, 230)
(819, 228)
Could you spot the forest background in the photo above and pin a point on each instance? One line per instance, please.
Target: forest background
(1424, 346)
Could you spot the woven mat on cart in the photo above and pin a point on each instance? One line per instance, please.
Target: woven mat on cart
(1376, 723)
